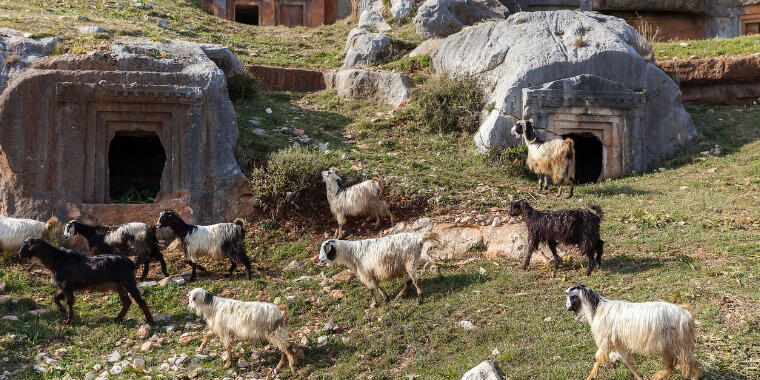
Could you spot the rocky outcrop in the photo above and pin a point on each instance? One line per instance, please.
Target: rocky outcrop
(374, 21)
(718, 80)
(363, 48)
(401, 8)
(483, 371)
(532, 48)
(428, 47)
(80, 106)
(446, 17)
(386, 87)
(17, 52)
(494, 133)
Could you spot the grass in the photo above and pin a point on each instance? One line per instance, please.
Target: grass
(744, 45)
(689, 234)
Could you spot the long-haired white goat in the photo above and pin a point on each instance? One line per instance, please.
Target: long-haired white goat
(627, 328)
(555, 158)
(249, 321)
(14, 231)
(363, 199)
(380, 259)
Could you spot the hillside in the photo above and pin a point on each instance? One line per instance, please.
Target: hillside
(687, 232)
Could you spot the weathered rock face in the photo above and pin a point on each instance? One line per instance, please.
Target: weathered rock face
(373, 20)
(532, 48)
(446, 17)
(401, 8)
(363, 47)
(17, 52)
(387, 87)
(494, 133)
(73, 127)
(483, 371)
(718, 80)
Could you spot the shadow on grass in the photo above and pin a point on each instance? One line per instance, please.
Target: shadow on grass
(635, 264)
(449, 283)
(609, 190)
(721, 373)
(325, 356)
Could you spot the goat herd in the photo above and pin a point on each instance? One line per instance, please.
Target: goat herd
(619, 328)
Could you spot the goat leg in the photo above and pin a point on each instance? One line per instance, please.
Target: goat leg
(135, 293)
(192, 271)
(57, 299)
(69, 294)
(146, 267)
(125, 303)
(231, 270)
(557, 259)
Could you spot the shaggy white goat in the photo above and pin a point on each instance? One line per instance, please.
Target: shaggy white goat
(623, 328)
(381, 259)
(363, 199)
(555, 158)
(14, 231)
(249, 321)
(217, 240)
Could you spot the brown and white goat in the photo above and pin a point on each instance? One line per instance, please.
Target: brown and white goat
(555, 158)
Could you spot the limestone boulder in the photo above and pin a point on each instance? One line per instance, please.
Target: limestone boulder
(373, 20)
(386, 87)
(494, 133)
(364, 48)
(17, 52)
(401, 8)
(428, 47)
(532, 48)
(483, 371)
(446, 17)
(370, 5)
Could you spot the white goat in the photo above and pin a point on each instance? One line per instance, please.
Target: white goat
(555, 158)
(14, 231)
(381, 259)
(623, 328)
(249, 321)
(363, 199)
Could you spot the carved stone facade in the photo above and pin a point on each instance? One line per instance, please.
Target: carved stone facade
(75, 131)
(309, 13)
(603, 117)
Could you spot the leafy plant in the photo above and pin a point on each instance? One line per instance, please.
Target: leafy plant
(448, 105)
(133, 195)
(242, 87)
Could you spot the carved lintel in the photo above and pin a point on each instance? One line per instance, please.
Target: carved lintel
(564, 98)
(105, 92)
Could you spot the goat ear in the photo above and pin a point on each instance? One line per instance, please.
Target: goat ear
(331, 253)
(208, 298)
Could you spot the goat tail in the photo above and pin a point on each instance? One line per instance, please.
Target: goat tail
(52, 223)
(570, 155)
(596, 209)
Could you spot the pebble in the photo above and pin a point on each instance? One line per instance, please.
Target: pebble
(169, 328)
(139, 364)
(242, 363)
(186, 338)
(496, 222)
(143, 332)
(337, 294)
(89, 376)
(97, 367)
(548, 319)
(322, 340)
(467, 325)
(482, 271)
(2, 287)
(146, 346)
(114, 357)
(163, 23)
(91, 29)
(116, 369)
(10, 318)
(160, 317)
(259, 131)
(268, 110)
(147, 284)
(329, 326)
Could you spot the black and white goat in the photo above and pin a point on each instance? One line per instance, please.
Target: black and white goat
(572, 226)
(380, 259)
(75, 271)
(248, 321)
(216, 240)
(363, 199)
(623, 329)
(130, 239)
(555, 158)
(15, 231)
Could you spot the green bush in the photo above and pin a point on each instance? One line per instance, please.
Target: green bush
(242, 87)
(510, 160)
(291, 179)
(446, 105)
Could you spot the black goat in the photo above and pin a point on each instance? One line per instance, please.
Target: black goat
(217, 240)
(74, 271)
(578, 227)
(138, 239)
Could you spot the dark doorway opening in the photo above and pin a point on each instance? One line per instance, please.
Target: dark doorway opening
(247, 14)
(135, 161)
(588, 157)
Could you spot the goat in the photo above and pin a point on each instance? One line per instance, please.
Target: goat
(15, 231)
(553, 157)
(365, 198)
(380, 259)
(216, 240)
(128, 239)
(623, 328)
(572, 226)
(251, 321)
(74, 271)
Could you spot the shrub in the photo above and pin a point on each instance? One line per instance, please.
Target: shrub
(510, 160)
(449, 105)
(292, 178)
(242, 87)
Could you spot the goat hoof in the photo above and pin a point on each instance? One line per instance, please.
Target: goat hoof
(420, 301)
